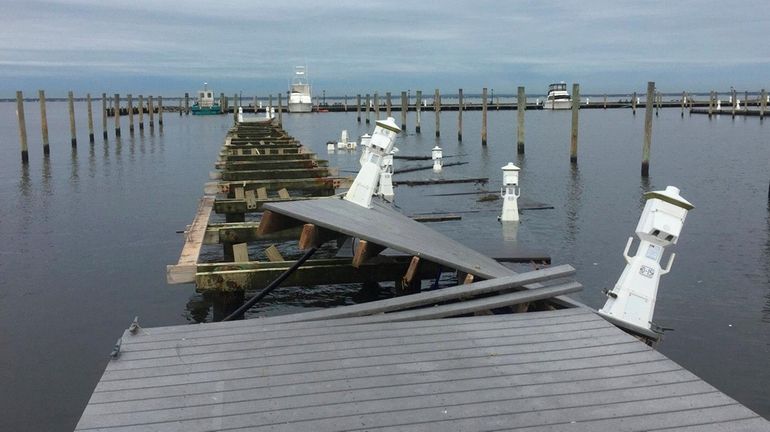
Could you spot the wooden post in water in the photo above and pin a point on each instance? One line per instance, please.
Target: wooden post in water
(404, 108)
(151, 111)
(711, 103)
(160, 111)
(222, 102)
(180, 107)
(437, 110)
(236, 105)
(345, 105)
(684, 98)
(254, 104)
(22, 127)
(521, 106)
(484, 116)
(633, 104)
(270, 102)
(44, 123)
(762, 103)
(104, 115)
(376, 107)
(388, 105)
(647, 130)
(280, 110)
(186, 103)
(746, 101)
(73, 131)
(733, 98)
(418, 109)
(358, 108)
(141, 112)
(117, 115)
(459, 114)
(605, 101)
(90, 118)
(368, 101)
(130, 108)
(573, 148)
(656, 102)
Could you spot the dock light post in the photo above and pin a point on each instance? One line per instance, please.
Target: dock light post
(631, 303)
(510, 192)
(368, 178)
(366, 141)
(436, 154)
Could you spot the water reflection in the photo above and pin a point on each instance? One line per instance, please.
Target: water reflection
(91, 161)
(573, 201)
(24, 182)
(766, 307)
(46, 177)
(645, 185)
(74, 170)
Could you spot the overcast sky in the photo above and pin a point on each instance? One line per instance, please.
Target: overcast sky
(350, 46)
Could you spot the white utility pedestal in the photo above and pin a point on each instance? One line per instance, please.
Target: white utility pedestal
(366, 141)
(631, 303)
(385, 188)
(437, 155)
(368, 178)
(510, 193)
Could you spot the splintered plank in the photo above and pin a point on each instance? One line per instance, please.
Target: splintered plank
(184, 270)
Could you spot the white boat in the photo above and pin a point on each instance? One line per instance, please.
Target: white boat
(300, 100)
(558, 98)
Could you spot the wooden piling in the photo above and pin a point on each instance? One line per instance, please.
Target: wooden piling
(647, 130)
(254, 104)
(44, 123)
(762, 103)
(521, 107)
(358, 108)
(746, 101)
(573, 148)
(605, 101)
(684, 98)
(186, 103)
(236, 105)
(484, 116)
(222, 102)
(180, 107)
(734, 100)
(437, 110)
(141, 112)
(368, 101)
(22, 127)
(376, 107)
(280, 109)
(160, 111)
(130, 108)
(90, 118)
(151, 111)
(104, 115)
(345, 105)
(270, 102)
(459, 114)
(711, 103)
(116, 112)
(418, 109)
(656, 102)
(388, 105)
(73, 130)
(633, 103)
(404, 108)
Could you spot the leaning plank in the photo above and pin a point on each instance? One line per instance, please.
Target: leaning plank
(482, 304)
(184, 270)
(431, 297)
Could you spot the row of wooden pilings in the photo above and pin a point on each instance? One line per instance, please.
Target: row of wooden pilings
(521, 106)
(108, 104)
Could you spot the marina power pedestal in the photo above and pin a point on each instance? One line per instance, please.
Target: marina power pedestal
(631, 303)
(437, 154)
(368, 178)
(510, 193)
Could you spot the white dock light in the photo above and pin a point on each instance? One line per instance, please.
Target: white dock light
(240, 115)
(510, 193)
(385, 188)
(365, 184)
(366, 141)
(631, 303)
(437, 154)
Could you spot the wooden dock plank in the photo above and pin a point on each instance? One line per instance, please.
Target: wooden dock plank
(184, 270)
(384, 226)
(482, 373)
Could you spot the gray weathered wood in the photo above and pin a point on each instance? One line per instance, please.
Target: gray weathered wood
(22, 127)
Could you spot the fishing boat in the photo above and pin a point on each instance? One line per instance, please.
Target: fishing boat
(300, 100)
(558, 98)
(204, 104)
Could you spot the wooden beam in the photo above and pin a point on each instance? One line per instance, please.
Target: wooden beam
(185, 268)
(273, 255)
(273, 222)
(314, 236)
(283, 193)
(365, 251)
(241, 252)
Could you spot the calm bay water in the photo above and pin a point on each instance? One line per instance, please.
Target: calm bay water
(86, 235)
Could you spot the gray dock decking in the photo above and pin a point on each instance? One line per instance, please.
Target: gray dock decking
(538, 371)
